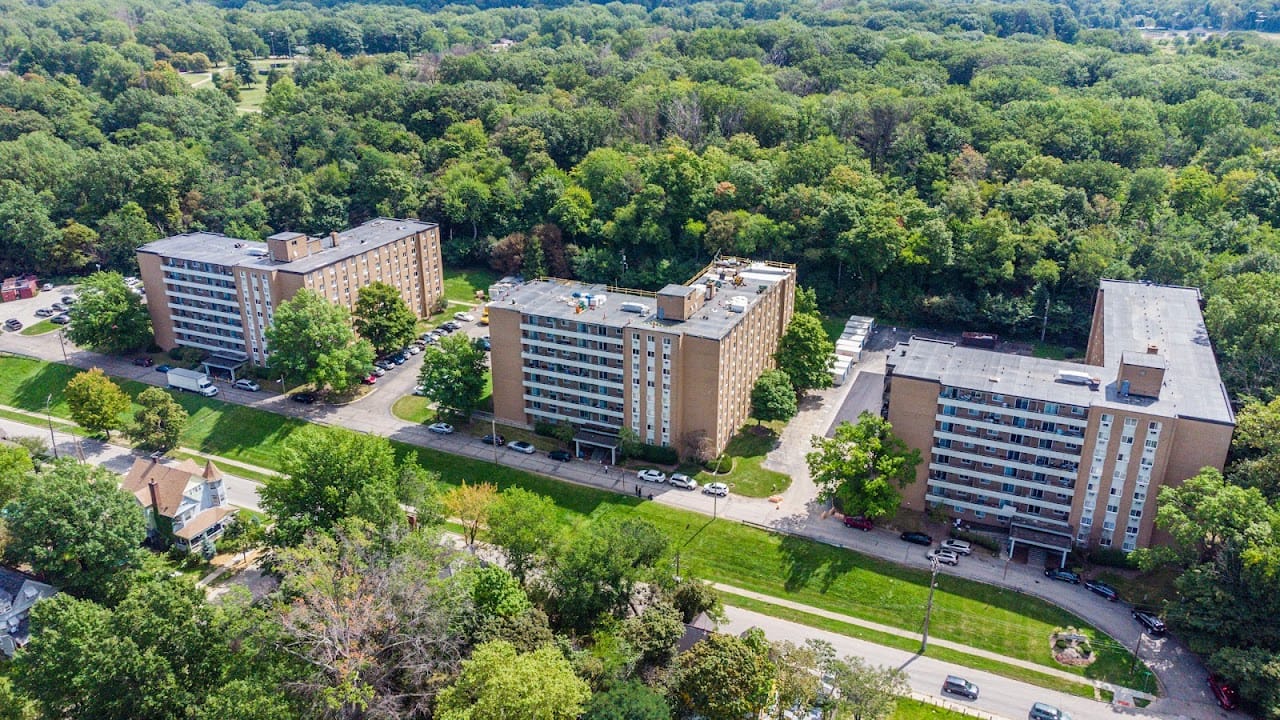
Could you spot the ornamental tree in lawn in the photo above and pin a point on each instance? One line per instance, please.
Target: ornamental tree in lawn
(96, 402)
(453, 374)
(863, 466)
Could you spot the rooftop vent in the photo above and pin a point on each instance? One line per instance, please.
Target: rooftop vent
(1153, 350)
(634, 307)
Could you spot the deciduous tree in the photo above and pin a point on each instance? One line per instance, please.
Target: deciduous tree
(76, 527)
(96, 403)
(472, 505)
(723, 678)
(773, 398)
(627, 701)
(865, 692)
(804, 353)
(160, 422)
(863, 466)
(498, 683)
(453, 374)
(595, 572)
(108, 316)
(383, 318)
(525, 525)
(312, 340)
(330, 474)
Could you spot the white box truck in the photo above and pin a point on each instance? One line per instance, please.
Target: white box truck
(191, 381)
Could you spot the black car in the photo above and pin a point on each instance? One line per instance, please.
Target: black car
(1103, 589)
(68, 299)
(493, 440)
(1062, 575)
(304, 398)
(60, 319)
(143, 361)
(1150, 621)
(561, 455)
(917, 538)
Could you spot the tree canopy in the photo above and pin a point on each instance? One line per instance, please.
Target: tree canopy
(311, 340)
(453, 374)
(109, 316)
(383, 318)
(160, 422)
(863, 466)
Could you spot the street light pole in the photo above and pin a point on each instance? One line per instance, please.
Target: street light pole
(928, 610)
(493, 430)
(1137, 647)
(53, 442)
(63, 344)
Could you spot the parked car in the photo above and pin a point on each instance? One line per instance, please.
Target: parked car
(1103, 589)
(399, 358)
(682, 481)
(378, 371)
(47, 287)
(13, 324)
(651, 475)
(44, 312)
(1062, 575)
(959, 686)
(164, 368)
(369, 379)
(959, 547)
(464, 317)
(483, 344)
(412, 349)
(860, 522)
(1044, 711)
(717, 489)
(58, 307)
(419, 391)
(946, 557)
(60, 319)
(246, 384)
(493, 440)
(1223, 693)
(917, 538)
(383, 363)
(68, 299)
(304, 398)
(1150, 621)
(441, 428)
(521, 446)
(561, 455)
(143, 361)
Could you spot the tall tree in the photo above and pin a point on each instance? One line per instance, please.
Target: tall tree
(497, 682)
(108, 316)
(160, 422)
(122, 232)
(595, 572)
(96, 403)
(330, 474)
(772, 397)
(311, 340)
(863, 466)
(15, 467)
(383, 318)
(627, 701)
(365, 614)
(76, 527)
(804, 353)
(525, 525)
(723, 678)
(865, 692)
(472, 505)
(453, 374)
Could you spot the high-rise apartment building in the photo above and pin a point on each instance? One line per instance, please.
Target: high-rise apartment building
(218, 293)
(675, 366)
(1066, 453)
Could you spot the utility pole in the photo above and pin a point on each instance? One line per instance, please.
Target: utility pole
(493, 430)
(1136, 648)
(53, 442)
(1044, 327)
(63, 344)
(928, 610)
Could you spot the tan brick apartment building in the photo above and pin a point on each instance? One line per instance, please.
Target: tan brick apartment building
(218, 293)
(1064, 453)
(675, 366)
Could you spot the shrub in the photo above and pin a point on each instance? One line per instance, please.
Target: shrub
(978, 539)
(1111, 557)
(658, 455)
(544, 428)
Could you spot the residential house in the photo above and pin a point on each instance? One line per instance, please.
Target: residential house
(185, 504)
(18, 593)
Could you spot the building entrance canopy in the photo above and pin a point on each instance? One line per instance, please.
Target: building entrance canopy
(224, 363)
(596, 440)
(1053, 538)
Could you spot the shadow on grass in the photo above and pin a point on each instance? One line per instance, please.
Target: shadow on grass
(806, 563)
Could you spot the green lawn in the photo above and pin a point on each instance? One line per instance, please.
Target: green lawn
(744, 453)
(39, 328)
(834, 326)
(820, 575)
(460, 285)
(414, 408)
(912, 709)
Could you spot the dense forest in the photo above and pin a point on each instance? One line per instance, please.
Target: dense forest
(976, 165)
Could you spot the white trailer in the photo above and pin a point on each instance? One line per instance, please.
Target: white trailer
(191, 381)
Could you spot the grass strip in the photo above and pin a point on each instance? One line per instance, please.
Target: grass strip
(936, 652)
(801, 570)
(40, 328)
(912, 709)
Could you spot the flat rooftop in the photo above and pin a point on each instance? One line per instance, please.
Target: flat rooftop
(561, 299)
(1136, 316)
(222, 250)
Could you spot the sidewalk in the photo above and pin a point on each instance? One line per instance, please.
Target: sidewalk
(899, 632)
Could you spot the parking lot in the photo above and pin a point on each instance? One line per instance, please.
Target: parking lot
(24, 309)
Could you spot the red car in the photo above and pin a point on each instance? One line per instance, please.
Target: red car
(858, 521)
(370, 379)
(1223, 693)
